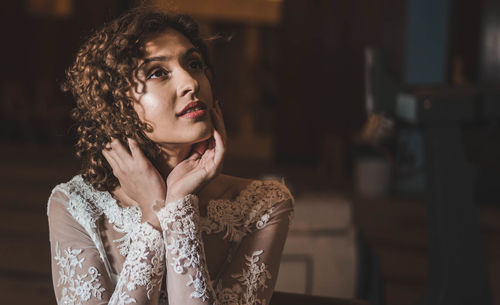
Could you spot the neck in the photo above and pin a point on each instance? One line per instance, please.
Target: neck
(172, 154)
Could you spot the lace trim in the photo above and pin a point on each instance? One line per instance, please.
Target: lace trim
(124, 220)
(78, 287)
(249, 282)
(144, 265)
(179, 221)
(80, 206)
(251, 210)
(94, 203)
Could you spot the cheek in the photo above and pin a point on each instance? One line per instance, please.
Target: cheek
(139, 109)
(153, 108)
(149, 113)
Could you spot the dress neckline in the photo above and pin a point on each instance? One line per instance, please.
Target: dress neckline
(109, 203)
(223, 215)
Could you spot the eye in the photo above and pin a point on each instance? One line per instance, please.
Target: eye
(157, 73)
(196, 64)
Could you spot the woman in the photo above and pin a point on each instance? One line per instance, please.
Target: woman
(150, 220)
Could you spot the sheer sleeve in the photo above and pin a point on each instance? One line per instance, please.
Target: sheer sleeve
(188, 279)
(251, 276)
(79, 273)
(248, 279)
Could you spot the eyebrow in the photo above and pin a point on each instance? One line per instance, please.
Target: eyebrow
(165, 58)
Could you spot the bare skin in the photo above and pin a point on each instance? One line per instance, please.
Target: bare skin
(142, 184)
(193, 149)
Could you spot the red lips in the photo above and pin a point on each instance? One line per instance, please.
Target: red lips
(193, 104)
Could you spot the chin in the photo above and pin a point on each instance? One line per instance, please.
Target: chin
(205, 136)
(205, 132)
(199, 133)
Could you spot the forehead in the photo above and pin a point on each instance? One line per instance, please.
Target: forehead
(168, 43)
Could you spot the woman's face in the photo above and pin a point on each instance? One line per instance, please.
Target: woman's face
(173, 75)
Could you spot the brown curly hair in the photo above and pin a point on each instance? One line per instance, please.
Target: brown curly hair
(101, 78)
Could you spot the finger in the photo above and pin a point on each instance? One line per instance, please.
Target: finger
(219, 123)
(198, 150)
(135, 149)
(210, 144)
(114, 156)
(120, 151)
(194, 156)
(201, 147)
(219, 148)
(112, 162)
(222, 128)
(208, 155)
(214, 156)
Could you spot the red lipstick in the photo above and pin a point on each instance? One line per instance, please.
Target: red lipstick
(193, 109)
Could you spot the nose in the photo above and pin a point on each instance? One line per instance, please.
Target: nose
(187, 83)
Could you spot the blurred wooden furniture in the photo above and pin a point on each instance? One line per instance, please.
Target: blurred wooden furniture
(457, 265)
(320, 254)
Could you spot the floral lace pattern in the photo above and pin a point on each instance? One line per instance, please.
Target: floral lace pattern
(77, 287)
(87, 204)
(80, 195)
(139, 244)
(144, 265)
(145, 248)
(249, 211)
(250, 281)
(179, 221)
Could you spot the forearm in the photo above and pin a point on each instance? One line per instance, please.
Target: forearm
(141, 276)
(188, 279)
(79, 272)
(252, 274)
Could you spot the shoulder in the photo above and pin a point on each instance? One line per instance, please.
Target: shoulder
(74, 185)
(260, 197)
(253, 189)
(71, 214)
(74, 196)
(61, 193)
(245, 205)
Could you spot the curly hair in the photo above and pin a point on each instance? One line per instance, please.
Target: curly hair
(101, 78)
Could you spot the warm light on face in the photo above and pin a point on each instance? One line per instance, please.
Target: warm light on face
(172, 75)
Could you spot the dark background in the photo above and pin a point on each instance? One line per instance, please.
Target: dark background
(292, 87)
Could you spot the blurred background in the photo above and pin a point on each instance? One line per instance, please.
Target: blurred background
(381, 115)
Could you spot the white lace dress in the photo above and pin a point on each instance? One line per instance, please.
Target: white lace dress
(103, 254)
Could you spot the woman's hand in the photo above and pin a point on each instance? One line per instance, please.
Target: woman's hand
(204, 163)
(138, 178)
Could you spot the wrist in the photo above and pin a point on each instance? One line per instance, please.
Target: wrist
(171, 197)
(151, 218)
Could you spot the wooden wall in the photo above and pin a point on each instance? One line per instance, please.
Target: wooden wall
(322, 68)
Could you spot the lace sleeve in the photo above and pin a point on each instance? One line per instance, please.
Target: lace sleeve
(188, 279)
(79, 274)
(251, 276)
(248, 279)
